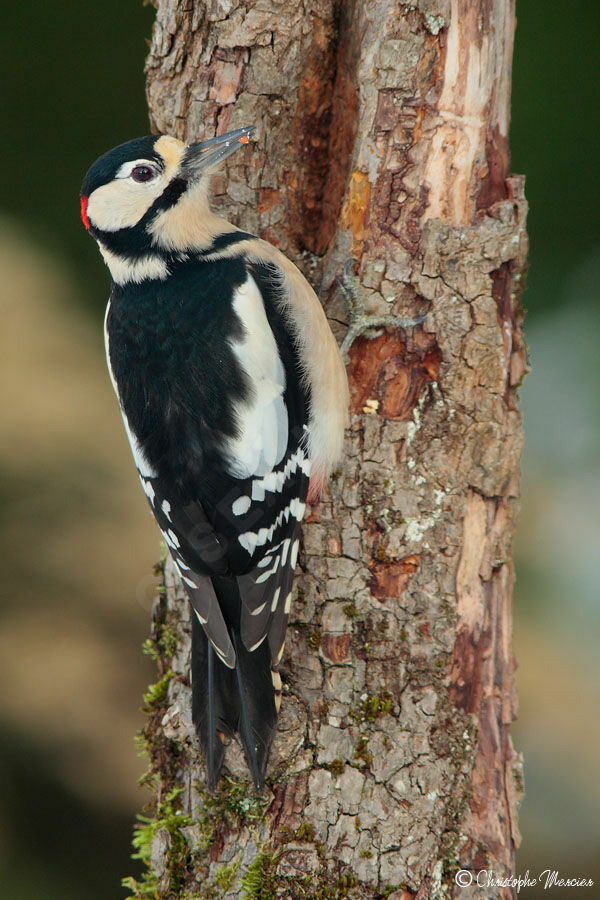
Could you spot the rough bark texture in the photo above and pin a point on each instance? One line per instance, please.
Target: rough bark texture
(383, 134)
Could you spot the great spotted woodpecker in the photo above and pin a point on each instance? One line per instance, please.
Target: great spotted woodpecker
(233, 394)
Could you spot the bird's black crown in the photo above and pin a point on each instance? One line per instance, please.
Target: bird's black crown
(106, 166)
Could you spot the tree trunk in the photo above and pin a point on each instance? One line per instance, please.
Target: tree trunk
(383, 135)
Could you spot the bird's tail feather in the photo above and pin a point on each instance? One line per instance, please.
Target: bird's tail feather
(228, 701)
(258, 714)
(213, 701)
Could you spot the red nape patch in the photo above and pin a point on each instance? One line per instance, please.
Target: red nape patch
(84, 216)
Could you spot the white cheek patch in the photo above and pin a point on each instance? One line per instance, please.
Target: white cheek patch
(122, 203)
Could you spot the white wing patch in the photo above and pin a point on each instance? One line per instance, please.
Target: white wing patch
(262, 420)
(241, 505)
(275, 481)
(250, 540)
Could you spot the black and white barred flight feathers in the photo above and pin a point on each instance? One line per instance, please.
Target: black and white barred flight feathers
(233, 395)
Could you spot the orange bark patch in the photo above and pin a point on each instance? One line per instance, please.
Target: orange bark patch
(383, 370)
(335, 647)
(268, 198)
(355, 209)
(389, 579)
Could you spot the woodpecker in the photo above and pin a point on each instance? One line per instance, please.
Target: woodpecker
(234, 398)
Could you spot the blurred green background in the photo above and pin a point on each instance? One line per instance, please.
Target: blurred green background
(78, 537)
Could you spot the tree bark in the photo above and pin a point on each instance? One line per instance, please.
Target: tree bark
(383, 135)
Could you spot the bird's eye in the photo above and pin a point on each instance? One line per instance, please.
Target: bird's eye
(142, 173)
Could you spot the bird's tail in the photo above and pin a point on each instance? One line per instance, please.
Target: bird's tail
(232, 701)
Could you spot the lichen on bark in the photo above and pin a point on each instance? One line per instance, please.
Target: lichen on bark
(383, 135)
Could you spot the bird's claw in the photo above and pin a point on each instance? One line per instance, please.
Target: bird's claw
(359, 322)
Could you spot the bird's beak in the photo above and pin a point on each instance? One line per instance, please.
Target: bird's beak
(205, 154)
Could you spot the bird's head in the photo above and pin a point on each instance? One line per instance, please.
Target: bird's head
(150, 195)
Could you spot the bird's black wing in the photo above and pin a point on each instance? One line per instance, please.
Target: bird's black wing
(210, 389)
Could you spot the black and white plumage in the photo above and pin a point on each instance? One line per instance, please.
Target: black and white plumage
(233, 395)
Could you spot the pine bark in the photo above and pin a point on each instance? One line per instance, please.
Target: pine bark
(383, 135)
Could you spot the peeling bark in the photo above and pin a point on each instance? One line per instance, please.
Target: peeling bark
(383, 135)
